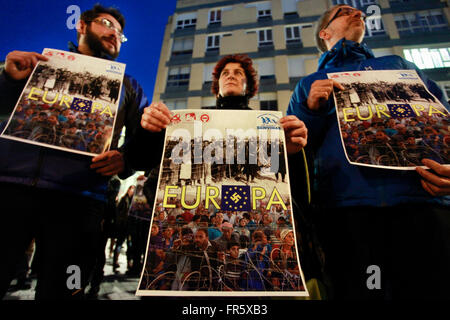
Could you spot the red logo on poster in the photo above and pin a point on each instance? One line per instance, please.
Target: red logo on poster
(190, 116)
(176, 118)
(204, 117)
(60, 55)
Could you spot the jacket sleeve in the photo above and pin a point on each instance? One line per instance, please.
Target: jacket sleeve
(315, 121)
(9, 92)
(142, 149)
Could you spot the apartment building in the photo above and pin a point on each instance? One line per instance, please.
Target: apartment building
(279, 36)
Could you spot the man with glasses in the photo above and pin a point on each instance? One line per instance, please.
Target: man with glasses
(395, 220)
(54, 196)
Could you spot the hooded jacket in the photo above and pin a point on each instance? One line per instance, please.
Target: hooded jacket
(42, 167)
(337, 182)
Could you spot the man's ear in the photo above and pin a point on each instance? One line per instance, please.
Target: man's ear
(324, 35)
(81, 26)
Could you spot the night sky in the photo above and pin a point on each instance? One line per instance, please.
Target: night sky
(33, 25)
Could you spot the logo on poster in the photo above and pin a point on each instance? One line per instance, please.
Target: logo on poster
(204, 117)
(268, 121)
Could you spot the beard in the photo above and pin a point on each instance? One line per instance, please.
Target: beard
(95, 44)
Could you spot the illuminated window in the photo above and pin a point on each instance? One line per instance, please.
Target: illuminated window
(425, 58)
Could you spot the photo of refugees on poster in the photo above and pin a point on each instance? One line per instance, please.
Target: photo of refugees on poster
(69, 103)
(222, 222)
(388, 119)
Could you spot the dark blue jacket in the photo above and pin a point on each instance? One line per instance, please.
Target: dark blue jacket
(42, 167)
(338, 183)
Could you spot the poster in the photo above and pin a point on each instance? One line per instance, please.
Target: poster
(69, 103)
(388, 119)
(222, 223)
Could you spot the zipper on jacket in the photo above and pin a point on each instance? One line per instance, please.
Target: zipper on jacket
(38, 172)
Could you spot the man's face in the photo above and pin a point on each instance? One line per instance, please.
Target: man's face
(101, 39)
(201, 239)
(234, 252)
(232, 81)
(227, 232)
(346, 24)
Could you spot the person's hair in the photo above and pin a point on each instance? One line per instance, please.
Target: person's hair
(204, 230)
(320, 24)
(246, 64)
(91, 14)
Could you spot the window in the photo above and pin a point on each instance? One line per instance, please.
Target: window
(268, 105)
(265, 38)
(176, 104)
(289, 7)
(207, 72)
(213, 42)
(426, 58)
(215, 16)
(187, 20)
(266, 68)
(178, 76)
(419, 22)
(182, 46)
(293, 34)
(359, 4)
(296, 67)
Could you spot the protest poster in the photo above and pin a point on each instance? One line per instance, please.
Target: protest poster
(69, 103)
(388, 119)
(222, 222)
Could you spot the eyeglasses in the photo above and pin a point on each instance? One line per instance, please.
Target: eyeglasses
(108, 24)
(345, 11)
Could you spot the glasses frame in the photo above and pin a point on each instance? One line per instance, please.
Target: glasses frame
(108, 24)
(352, 10)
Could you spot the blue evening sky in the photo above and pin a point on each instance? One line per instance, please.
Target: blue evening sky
(28, 25)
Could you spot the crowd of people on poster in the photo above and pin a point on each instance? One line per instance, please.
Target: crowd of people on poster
(46, 113)
(373, 138)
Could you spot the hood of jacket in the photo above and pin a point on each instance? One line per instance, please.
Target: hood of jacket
(344, 52)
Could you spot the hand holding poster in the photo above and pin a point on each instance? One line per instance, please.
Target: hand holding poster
(222, 222)
(69, 103)
(388, 119)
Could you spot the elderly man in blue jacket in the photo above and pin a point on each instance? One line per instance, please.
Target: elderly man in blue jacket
(385, 232)
(54, 196)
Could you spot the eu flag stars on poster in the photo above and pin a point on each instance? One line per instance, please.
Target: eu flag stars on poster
(235, 198)
(83, 105)
(401, 110)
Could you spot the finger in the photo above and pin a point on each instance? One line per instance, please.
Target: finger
(338, 85)
(163, 108)
(100, 157)
(293, 124)
(427, 188)
(440, 169)
(434, 179)
(301, 132)
(155, 113)
(40, 56)
(150, 127)
(299, 141)
(152, 124)
(288, 118)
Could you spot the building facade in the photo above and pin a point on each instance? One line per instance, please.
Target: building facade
(279, 36)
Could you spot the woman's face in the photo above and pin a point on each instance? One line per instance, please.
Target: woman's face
(232, 80)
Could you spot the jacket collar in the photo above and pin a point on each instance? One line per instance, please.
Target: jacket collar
(73, 48)
(344, 52)
(232, 102)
